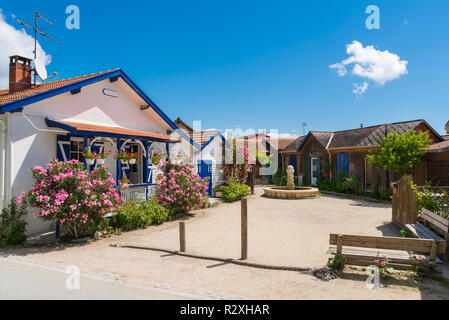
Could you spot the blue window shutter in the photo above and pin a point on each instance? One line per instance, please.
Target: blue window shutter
(63, 147)
(343, 162)
(292, 162)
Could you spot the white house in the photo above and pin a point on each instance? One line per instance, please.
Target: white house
(210, 156)
(105, 110)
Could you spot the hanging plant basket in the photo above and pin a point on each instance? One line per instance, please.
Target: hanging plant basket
(100, 161)
(124, 161)
(90, 161)
(132, 161)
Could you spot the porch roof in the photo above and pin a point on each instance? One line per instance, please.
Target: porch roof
(105, 131)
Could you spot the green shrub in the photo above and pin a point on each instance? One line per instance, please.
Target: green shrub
(431, 200)
(280, 178)
(234, 191)
(336, 262)
(405, 233)
(346, 184)
(385, 194)
(158, 213)
(16, 234)
(139, 214)
(343, 183)
(12, 228)
(327, 184)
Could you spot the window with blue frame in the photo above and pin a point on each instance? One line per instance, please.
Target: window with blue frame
(76, 149)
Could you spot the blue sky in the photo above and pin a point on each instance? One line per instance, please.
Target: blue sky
(257, 64)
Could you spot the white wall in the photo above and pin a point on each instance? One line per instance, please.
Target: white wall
(92, 106)
(30, 147)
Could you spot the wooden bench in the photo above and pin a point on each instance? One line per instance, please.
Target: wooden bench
(396, 249)
(433, 227)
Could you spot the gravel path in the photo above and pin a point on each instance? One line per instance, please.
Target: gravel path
(281, 232)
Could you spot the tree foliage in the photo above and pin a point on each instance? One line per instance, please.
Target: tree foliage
(400, 152)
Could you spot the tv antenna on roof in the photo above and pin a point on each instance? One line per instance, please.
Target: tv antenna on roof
(304, 125)
(39, 67)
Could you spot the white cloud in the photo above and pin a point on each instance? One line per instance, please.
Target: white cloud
(360, 89)
(372, 64)
(16, 42)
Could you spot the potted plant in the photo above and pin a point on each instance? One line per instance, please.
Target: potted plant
(124, 183)
(132, 157)
(89, 156)
(156, 157)
(122, 156)
(101, 156)
(176, 158)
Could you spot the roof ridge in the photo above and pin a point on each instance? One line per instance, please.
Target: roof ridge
(379, 125)
(37, 86)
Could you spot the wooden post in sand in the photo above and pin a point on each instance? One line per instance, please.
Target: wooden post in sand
(182, 236)
(244, 206)
(253, 177)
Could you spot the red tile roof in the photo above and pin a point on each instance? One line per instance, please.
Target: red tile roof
(115, 130)
(282, 142)
(6, 97)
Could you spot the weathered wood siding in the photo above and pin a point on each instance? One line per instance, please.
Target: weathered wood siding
(438, 168)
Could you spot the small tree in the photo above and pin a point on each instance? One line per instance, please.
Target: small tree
(400, 152)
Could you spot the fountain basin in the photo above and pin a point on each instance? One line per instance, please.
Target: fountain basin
(284, 193)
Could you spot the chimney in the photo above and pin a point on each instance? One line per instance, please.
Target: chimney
(19, 73)
(447, 127)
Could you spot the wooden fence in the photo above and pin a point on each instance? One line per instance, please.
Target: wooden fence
(404, 202)
(405, 209)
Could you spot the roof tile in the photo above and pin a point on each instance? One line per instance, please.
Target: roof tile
(116, 130)
(6, 97)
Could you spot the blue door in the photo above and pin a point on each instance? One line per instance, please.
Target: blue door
(205, 171)
(292, 162)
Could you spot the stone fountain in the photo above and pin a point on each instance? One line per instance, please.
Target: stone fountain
(290, 191)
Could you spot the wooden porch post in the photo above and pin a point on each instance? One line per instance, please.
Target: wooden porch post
(167, 148)
(86, 145)
(145, 166)
(119, 166)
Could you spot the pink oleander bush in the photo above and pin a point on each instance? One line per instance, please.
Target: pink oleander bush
(238, 171)
(70, 194)
(181, 189)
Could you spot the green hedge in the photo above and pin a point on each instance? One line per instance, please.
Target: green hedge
(139, 214)
(234, 191)
(12, 227)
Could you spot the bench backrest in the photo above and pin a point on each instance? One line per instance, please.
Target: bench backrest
(436, 222)
(427, 246)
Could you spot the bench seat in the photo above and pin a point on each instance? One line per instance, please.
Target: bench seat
(362, 250)
(422, 232)
(397, 259)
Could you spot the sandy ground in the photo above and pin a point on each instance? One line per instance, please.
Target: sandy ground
(281, 232)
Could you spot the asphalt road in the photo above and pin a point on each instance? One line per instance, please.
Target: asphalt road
(23, 281)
